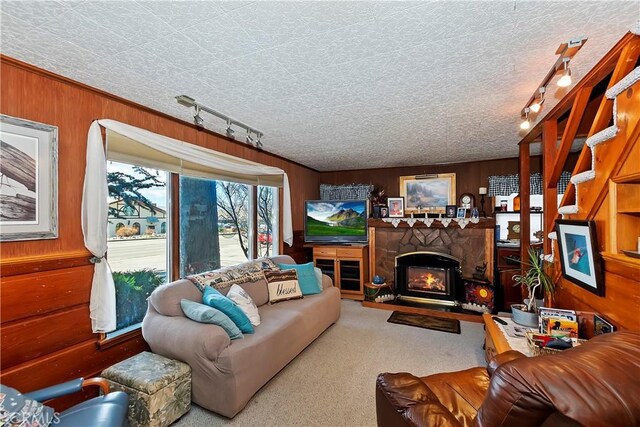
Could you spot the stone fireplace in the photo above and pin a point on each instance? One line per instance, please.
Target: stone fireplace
(452, 253)
(429, 277)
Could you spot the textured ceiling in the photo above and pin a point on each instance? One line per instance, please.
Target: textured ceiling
(333, 85)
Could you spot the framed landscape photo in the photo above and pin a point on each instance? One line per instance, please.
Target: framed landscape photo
(579, 255)
(28, 180)
(396, 207)
(431, 193)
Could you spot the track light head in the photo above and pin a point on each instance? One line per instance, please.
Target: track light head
(249, 138)
(526, 124)
(197, 119)
(258, 142)
(536, 106)
(565, 80)
(230, 131)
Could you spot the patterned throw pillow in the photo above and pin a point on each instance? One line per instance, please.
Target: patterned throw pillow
(223, 278)
(283, 285)
(245, 303)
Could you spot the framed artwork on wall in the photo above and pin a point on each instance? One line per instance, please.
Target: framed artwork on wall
(28, 180)
(579, 255)
(430, 193)
(396, 207)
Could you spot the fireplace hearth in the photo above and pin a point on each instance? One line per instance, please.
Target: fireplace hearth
(428, 277)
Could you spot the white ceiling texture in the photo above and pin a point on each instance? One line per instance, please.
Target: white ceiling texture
(333, 85)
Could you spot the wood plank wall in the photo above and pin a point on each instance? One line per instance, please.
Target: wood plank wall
(45, 284)
(469, 176)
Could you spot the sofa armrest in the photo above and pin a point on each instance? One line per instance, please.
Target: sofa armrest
(183, 339)
(326, 282)
(502, 358)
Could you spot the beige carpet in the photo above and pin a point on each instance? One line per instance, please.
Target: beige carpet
(332, 382)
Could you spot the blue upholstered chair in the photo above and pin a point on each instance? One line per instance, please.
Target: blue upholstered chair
(108, 410)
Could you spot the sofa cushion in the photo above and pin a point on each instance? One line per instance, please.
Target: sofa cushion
(245, 303)
(283, 285)
(306, 277)
(257, 290)
(215, 299)
(204, 314)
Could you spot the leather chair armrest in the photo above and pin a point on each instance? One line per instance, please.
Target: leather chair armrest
(395, 393)
(501, 359)
(57, 390)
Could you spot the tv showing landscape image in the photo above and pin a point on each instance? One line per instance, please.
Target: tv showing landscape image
(336, 221)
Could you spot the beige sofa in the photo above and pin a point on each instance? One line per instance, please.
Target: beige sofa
(225, 373)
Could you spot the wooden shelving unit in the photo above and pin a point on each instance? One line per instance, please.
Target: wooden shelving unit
(624, 217)
(348, 266)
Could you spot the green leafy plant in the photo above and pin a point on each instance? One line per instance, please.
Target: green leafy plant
(132, 290)
(535, 277)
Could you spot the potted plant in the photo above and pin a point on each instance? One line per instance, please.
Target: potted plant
(534, 278)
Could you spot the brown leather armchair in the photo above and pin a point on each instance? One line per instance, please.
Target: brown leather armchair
(595, 384)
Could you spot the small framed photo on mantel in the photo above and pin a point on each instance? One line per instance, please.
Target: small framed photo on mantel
(396, 207)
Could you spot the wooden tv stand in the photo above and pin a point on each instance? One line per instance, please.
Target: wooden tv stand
(348, 266)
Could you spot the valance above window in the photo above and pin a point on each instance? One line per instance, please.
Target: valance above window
(139, 146)
(504, 185)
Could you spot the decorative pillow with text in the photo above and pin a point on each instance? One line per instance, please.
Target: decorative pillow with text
(283, 285)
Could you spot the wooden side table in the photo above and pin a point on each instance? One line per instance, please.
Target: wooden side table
(494, 340)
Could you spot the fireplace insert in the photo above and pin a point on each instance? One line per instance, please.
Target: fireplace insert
(428, 277)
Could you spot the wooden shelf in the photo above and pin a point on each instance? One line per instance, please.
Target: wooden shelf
(483, 223)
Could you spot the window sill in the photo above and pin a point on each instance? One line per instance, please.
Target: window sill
(114, 339)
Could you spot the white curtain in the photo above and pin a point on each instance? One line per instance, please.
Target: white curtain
(177, 156)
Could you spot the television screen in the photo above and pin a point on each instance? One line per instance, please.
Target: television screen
(335, 221)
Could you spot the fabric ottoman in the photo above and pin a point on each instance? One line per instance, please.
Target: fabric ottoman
(159, 389)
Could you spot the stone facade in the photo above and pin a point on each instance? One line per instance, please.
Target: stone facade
(159, 389)
(467, 244)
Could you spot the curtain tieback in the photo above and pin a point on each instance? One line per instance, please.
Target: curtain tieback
(96, 259)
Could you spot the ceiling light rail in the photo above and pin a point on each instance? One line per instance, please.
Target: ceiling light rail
(187, 101)
(534, 104)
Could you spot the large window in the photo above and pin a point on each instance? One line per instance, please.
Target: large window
(267, 206)
(137, 239)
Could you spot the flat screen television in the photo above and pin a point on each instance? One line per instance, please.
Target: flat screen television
(335, 221)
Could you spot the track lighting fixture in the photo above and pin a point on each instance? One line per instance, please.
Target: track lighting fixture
(537, 104)
(187, 101)
(566, 52)
(565, 80)
(526, 124)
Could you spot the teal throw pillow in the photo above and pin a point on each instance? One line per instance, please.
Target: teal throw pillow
(205, 314)
(306, 277)
(215, 299)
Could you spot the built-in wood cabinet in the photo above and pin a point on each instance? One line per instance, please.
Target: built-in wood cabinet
(624, 216)
(348, 267)
(507, 265)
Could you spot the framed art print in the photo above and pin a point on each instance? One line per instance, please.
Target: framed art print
(396, 207)
(579, 255)
(28, 180)
(431, 193)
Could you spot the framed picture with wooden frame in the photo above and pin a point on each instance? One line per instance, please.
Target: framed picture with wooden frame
(28, 180)
(428, 193)
(579, 254)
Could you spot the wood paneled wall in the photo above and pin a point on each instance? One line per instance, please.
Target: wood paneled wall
(469, 176)
(45, 284)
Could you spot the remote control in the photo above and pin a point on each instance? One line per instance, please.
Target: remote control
(499, 320)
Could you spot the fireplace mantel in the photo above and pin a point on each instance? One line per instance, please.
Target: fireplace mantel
(484, 223)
